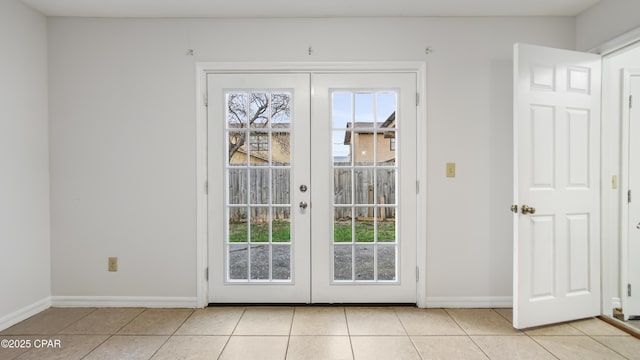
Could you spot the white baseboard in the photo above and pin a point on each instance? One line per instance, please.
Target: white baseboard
(616, 303)
(24, 313)
(470, 302)
(124, 301)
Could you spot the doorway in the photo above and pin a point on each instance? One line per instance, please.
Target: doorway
(312, 197)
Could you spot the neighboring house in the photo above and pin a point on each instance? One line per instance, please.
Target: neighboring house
(257, 147)
(362, 139)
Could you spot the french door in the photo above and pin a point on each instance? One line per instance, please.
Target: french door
(310, 196)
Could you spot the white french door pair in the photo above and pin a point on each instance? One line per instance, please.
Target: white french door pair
(312, 187)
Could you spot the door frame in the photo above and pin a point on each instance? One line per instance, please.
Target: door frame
(613, 199)
(205, 68)
(625, 145)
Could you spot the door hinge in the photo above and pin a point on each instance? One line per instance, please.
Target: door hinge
(629, 290)
(206, 188)
(206, 99)
(206, 274)
(417, 274)
(417, 187)
(630, 101)
(629, 196)
(417, 99)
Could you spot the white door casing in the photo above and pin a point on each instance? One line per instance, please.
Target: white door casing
(556, 172)
(630, 261)
(307, 143)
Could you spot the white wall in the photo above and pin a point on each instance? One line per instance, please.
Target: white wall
(123, 139)
(25, 273)
(605, 21)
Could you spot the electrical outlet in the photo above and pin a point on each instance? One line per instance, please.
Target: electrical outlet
(113, 264)
(451, 170)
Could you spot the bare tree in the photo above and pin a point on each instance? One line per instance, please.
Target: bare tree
(255, 110)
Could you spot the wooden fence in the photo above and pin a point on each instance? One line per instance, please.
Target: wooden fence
(362, 184)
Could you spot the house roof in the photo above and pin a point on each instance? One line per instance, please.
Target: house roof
(367, 127)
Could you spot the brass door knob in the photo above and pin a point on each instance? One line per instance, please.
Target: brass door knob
(528, 210)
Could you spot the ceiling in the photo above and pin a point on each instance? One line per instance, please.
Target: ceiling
(307, 8)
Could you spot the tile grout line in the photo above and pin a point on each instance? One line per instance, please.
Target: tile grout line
(596, 340)
(346, 319)
(109, 336)
(605, 345)
(244, 310)
(68, 326)
(172, 334)
(527, 335)
(409, 336)
(467, 333)
(293, 316)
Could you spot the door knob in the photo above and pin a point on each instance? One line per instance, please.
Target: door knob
(303, 205)
(528, 210)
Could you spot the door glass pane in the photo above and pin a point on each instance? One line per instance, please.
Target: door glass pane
(342, 262)
(342, 225)
(365, 185)
(365, 226)
(280, 147)
(386, 186)
(258, 177)
(281, 262)
(281, 225)
(260, 269)
(364, 190)
(386, 231)
(364, 110)
(260, 223)
(237, 183)
(238, 262)
(342, 186)
(386, 262)
(259, 113)
(280, 185)
(364, 263)
(237, 225)
(236, 145)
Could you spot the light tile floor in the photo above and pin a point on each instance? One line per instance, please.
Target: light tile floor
(313, 332)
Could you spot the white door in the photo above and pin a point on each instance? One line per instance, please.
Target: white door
(632, 290)
(364, 188)
(258, 153)
(321, 194)
(556, 185)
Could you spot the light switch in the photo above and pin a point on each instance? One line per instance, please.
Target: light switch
(451, 170)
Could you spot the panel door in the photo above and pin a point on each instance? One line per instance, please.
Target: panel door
(632, 292)
(258, 155)
(364, 188)
(556, 185)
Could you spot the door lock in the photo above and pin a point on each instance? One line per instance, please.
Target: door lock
(303, 188)
(514, 209)
(528, 210)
